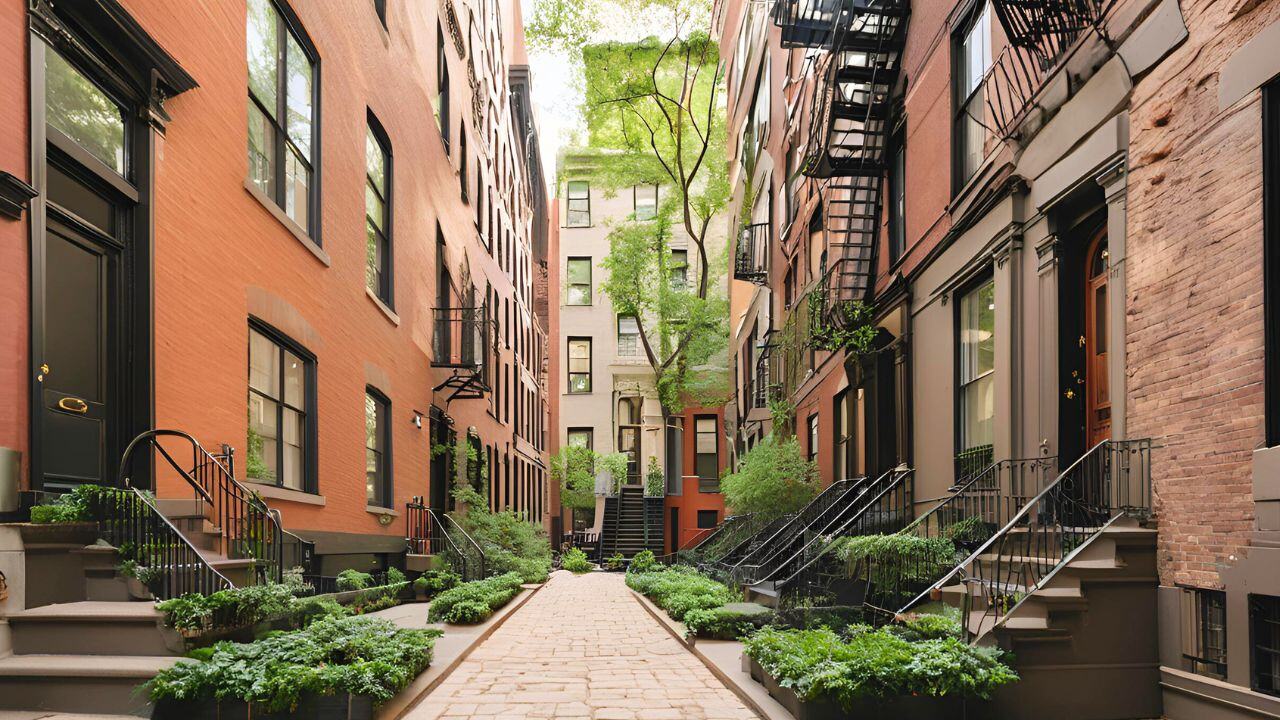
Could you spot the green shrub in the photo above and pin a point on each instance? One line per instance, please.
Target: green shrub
(395, 576)
(492, 592)
(509, 542)
(77, 505)
(969, 530)
(532, 570)
(378, 598)
(236, 607)
(927, 627)
(293, 578)
(679, 590)
(897, 558)
(434, 581)
(773, 478)
(875, 664)
(309, 610)
(730, 622)
(643, 561)
(362, 656)
(575, 561)
(353, 580)
(468, 612)
(615, 561)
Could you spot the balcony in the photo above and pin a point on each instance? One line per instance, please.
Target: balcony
(462, 342)
(824, 23)
(751, 260)
(767, 381)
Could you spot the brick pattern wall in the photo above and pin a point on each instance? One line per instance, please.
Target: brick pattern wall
(1194, 272)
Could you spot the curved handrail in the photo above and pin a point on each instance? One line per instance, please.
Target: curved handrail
(150, 436)
(471, 541)
(448, 540)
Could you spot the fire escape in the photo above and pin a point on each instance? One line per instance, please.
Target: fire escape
(850, 122)
(751, 259)
(463, 343)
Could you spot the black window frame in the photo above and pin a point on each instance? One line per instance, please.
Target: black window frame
(442, 90)
(679, 269)
(386, 279)
(569, 201)
(706, 481)
(960, 103)
(569, 368)
(702, 514)
(811, 426)
(1199, 606)
(386, 493)
(897, 204)
(590, 280)
(842, 433)
(310, 451)
(292, 25)
(1264, 616)
(1271, 258)
(590, 432)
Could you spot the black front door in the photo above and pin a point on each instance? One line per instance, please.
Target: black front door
(79, 358)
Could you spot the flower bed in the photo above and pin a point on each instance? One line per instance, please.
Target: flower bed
(336, 665)
(474, 602)
(680, 590)
(921, 670)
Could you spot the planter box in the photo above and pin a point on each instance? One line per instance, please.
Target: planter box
(311, 707)
(72, 533)
(901, 708)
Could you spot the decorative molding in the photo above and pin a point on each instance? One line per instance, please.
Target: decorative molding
(14, 195)
(1047, 253)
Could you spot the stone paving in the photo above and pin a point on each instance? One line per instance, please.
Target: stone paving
(581, 648)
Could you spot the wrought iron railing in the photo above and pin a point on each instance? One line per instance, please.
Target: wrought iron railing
(969, 463)
(751, 258)
(1112, 480)
(765, 385)
(430, 533)
(818, 577)
(731, 550)
(461, 337)
(246, 528)
(1032, 23)
(129, 520)
(417, 527)
(708, 547)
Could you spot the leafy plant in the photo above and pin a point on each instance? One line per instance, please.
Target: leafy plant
(968, 530)
(727, 623)
(848, 326)
(293, 577)
(643, 561)
(653, 482)
(575, 561)
(492, 593)
(361, 656)
(875, 664)
(615, 561)
(193, 612)
(351, 579)
(77, 505)
(680, 590)
(509, 542)
(773, 478)
(434, 581)
(395, 576)
(574, 468)
(378, 598)
(894, 559)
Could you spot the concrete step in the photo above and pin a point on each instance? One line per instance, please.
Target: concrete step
(174, 507)
(90, 628)
(79, 683)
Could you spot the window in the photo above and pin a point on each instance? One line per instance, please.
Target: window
(1264, 634)
(972, 60)
(75, 107)
(792, 182)
(977, 365)
(442, 89)
(813, 438)
(280, 442)
(1204, 631)
(708, 519)
(841, 423)
(628, 336)
(463, 180)
(579, 365)
(897, 201)
(1271, 256)
(580, 437)
(679, 269)
(377, 211)
(377, 449)
(578, 281)
(645, 201)
(380, 7)
(282, 102)
(579, 207)
(706, 449)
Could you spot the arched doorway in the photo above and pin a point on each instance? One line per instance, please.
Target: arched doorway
(1097, 385)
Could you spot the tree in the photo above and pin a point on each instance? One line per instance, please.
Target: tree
(574, 467)
(773, 478)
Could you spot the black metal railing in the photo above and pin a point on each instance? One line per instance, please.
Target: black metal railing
(707, 546)
(428, 532)
(129, 520)
(730, 550)
(818, 578)
(969, 463)
(1111, 481)
(751, 257)
(765, 384)
(246, 528)
(461, 337)
(1033, 23)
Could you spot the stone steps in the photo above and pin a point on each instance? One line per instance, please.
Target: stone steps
(79, 683)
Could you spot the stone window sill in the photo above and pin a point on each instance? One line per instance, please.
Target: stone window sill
(276, 492)
(391, 314)
(294, 228)
(379, 510)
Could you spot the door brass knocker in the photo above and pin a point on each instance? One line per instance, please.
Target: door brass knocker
(75, 405)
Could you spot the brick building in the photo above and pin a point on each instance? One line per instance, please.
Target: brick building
(288, 253)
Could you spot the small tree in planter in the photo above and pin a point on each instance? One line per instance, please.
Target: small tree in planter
(773, 478)
(653, 485)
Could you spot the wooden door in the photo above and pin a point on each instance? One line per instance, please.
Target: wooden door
(1097, 381)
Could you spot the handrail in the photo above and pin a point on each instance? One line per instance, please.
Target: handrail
(122, 480)
(447, 546)
(1089, 491)
(471, 541)
(828, 495)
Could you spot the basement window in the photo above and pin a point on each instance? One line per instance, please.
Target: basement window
(1204, 632)
(1264, 636)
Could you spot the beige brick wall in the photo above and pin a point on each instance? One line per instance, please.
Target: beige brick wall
(1194, 271)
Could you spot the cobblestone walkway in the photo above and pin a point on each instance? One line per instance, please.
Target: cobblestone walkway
(582, 647)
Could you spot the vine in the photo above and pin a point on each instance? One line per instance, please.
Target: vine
(855, 331)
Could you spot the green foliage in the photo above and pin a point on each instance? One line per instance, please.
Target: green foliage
(875, 664)
(395, 576)
(574, 468)
(297, 584)
(968, 530)
(193, 612)
(361, 656)
(773, 478)
(378, 598)
(896, 558)
(308, 610)
(680, 590)
(928, 627)
(78, 505)
(653, 481)
(852, 329)
(615, 561)
(575, 561)
(435, 581)
(491, 593)
(727, 623)
(643, 561)
(509, 542)
(351, 579)
(142, 573)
